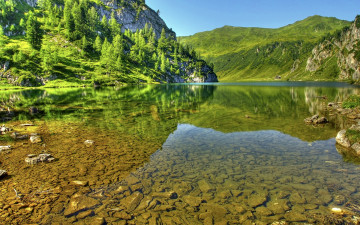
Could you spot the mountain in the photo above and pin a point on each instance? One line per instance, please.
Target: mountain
(240, 53)
(85, 42)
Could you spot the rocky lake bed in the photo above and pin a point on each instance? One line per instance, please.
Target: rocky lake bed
(122, 161)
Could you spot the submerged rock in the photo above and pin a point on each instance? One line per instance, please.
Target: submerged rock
(3, 173)
(18, 136)
(35, 138)
(80, 203)
(33, 159)
(4, 148)
(89, 143)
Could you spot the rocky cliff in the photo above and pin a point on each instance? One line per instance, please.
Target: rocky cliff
(342, 47)
(132, 14)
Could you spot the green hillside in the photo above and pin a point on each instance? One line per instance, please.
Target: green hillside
(70, 43)
(256, 53)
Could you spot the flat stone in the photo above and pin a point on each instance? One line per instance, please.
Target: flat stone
(80, 183)
(192, 201)
(122, 215)
(263, 211)
(85, 214)
(296, 198)
(205, 187)
(256, 200)
(295, 217)
(169, 195)
(80, 203)
(218, 212)
(132, 201)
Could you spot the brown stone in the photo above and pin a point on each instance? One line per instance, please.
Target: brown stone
(80, 203)
(132, 201)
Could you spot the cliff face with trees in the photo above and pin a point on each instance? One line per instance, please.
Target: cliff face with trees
(65, 43)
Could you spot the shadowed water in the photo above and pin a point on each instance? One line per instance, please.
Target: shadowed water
(179, 154)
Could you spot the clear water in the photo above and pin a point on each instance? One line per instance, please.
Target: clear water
(186, 154)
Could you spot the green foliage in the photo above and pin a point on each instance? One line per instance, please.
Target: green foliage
(353, 135)
(257, 53)
(357, 21)
(33, 31)
(352, 102)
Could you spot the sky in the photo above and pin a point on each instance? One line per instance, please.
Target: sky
(187, 17)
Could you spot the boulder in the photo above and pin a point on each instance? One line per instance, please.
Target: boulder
(342, 140)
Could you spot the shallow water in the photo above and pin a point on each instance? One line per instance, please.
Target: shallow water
(179, 154)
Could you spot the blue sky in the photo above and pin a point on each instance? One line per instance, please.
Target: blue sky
(187, 17)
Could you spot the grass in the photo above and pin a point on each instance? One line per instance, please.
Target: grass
(353, 135)
(352, 102)
(258, 53)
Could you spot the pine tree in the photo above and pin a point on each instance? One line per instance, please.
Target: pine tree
(97, 44)
(115, 27)
(105, 27)
(1, 36)
(118, 46)
(163, 63)
(162, 42)
(33, 31)
(93, 19)
(68, 19)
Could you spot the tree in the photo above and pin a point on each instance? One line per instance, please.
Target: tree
(33, 31)
(162, 42)
(118, 46)
(49, 56)
(163, 63)
(97, 44)
(105, 27)
(93, 18)
(1, 36)
(68, 19)
(115, 27)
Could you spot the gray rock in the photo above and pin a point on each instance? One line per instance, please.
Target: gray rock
(342, 140)
(356, 148)
(34, 159)
(5, 148)
(34, 138)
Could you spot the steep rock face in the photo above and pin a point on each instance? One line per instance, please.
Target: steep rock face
(133, 16)
(345, 46)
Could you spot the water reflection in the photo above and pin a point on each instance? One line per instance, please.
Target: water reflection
(229, 153)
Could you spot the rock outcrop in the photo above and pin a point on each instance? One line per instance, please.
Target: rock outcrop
(344, 47)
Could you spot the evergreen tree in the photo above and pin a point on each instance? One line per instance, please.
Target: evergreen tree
(97, 44)
(93, 19)
(105, 27)
(163, 63)
(1, 36)
(49, 56)
(115, 27)
(33, 31)
(68, 19)
(162, 40)
(118, 46)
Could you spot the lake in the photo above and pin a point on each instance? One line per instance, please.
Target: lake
(227, 153)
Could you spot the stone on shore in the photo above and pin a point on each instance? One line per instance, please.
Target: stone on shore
(89, 143)
(35, 138)
(315, 120)
(33, 159)
(4, 148)
(342, 140)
